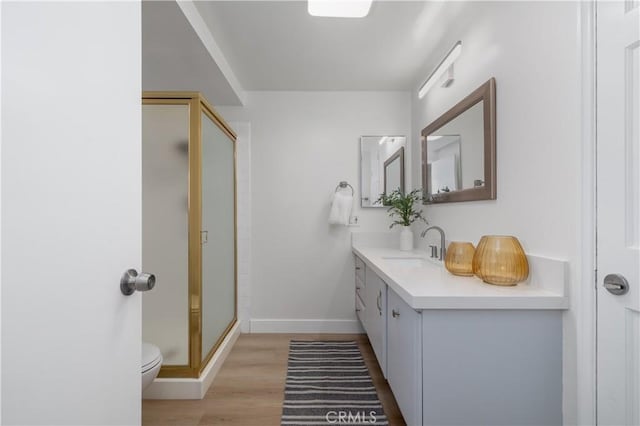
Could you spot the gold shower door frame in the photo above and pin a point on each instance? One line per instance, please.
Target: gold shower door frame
(197, 105)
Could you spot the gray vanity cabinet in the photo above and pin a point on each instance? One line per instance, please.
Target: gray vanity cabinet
(464, 366)
(404, 357)
(492, 367)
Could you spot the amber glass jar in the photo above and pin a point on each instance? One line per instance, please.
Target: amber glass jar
(500, 260)
(459, 259)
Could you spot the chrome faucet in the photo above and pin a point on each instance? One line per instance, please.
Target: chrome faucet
(443, 250)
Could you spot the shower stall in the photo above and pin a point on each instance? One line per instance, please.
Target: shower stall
(188, 229)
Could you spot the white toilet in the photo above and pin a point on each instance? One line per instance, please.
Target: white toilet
(151, 363)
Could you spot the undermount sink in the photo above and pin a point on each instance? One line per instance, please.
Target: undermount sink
(408, 261)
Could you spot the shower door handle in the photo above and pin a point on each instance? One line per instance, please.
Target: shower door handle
(131, 281)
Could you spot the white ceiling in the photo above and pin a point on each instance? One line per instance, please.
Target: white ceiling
(277, 45)
(175, 59)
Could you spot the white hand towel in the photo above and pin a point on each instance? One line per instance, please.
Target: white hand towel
(340, 209)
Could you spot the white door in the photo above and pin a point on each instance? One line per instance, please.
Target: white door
(618, 184)
(71, 87)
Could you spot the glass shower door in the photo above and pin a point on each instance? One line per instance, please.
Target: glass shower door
(165, 227)
(218, 234)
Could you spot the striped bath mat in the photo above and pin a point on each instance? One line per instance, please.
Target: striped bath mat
(328, 383)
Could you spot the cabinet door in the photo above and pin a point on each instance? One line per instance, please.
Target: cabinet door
(375, 300)
(360, 268)
(360, 295)
(360, 310)
(404, 357)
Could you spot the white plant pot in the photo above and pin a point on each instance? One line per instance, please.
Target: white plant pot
(406, 239)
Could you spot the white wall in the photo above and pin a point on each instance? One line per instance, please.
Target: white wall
(302, 145)
(532, 49)
(243, 176)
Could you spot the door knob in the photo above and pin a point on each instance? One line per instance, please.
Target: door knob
(131, 281)
(616, 284)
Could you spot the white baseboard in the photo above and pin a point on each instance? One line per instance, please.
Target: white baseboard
(185, 388)
(306, 326)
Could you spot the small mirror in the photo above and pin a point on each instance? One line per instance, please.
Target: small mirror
(394, 172)
(381, 167)
(459, 150)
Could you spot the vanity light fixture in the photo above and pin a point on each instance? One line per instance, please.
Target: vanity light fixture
(339, 8)
(442, 67)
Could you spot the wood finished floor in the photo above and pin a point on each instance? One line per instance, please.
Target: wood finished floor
(249, 389)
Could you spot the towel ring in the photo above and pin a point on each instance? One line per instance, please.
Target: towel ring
(342, 185)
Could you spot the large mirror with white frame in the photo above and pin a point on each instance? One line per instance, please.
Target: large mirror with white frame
(381, 167)
(459, 150)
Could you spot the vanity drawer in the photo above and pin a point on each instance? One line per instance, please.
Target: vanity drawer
(359, 269)
(360, 288)
(360, 309)
(360, 294)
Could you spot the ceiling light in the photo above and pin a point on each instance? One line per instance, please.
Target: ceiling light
(443, 66)
(339, 9)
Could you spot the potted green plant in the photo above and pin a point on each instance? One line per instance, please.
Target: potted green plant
(402, 211)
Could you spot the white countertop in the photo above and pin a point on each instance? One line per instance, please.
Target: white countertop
(431, 286)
